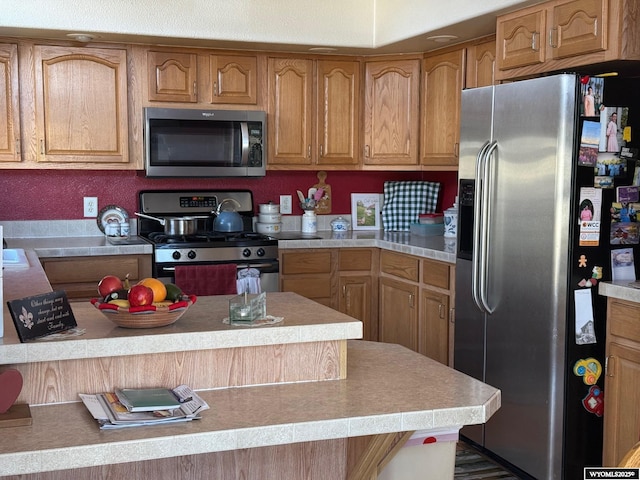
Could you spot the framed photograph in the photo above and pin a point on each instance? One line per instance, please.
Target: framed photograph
(365, 211)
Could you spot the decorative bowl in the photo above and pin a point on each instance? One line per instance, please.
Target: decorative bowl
(148, 316)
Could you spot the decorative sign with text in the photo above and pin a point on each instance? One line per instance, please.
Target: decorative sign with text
(41, 315)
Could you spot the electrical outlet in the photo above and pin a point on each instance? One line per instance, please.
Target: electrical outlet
(285, 204)
(90, 206)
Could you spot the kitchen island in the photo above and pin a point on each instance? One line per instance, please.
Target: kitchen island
(313, 399)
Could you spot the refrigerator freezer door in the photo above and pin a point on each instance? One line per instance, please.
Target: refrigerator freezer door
(476, 126)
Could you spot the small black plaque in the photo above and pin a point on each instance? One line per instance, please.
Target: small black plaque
(41, 315)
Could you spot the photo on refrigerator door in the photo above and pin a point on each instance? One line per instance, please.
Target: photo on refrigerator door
(613, 121)
(589, 139)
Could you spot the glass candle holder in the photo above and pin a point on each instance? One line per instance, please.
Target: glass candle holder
(247, 307)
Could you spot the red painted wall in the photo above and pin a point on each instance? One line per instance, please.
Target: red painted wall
(58, 194)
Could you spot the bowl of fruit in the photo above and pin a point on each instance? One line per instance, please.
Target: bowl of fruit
(148, 303)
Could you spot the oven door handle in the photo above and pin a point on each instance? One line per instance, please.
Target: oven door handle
(239, 266)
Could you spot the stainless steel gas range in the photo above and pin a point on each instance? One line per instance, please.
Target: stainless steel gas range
(206, 246)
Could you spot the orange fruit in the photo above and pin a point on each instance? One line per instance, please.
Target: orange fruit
(159, 290)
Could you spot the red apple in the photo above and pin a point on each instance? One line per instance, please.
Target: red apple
(108, 284)
(140, 295)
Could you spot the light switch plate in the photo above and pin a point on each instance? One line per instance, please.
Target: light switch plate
(90, 206)
(285, 204)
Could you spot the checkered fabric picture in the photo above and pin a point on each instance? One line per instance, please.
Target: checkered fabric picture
(404, 201)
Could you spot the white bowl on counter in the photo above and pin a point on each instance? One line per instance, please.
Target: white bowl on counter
(268, 228)
(269, 217)
(269, 208)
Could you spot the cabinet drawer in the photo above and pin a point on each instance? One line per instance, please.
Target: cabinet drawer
(294, 263)
(399, 265)
(310, 287)
(79, 270)
(624, 320)
(436, 274)
(355, 259)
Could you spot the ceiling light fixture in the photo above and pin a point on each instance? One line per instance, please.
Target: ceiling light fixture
(442, 38)
(81, 37)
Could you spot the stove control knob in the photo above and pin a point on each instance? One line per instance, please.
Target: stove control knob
(176, 255)
(246, 253)
(260, 252)
(191, 254)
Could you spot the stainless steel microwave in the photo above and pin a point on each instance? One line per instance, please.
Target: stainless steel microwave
(204, 143)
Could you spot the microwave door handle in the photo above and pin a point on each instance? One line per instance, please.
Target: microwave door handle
(244, 131)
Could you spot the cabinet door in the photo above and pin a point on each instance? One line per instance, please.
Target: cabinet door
(521, 40)
(355, 301)
(399, 313)
(234, 79)
(289, 119)
(9, 113)
(391, 113)
(81, 104)
(433, 328)
(579, 27)
(621, 407)
(337, 109)
(172, 76)
(443, 79)
(481, 65)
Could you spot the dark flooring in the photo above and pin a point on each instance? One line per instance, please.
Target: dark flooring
(472, 465)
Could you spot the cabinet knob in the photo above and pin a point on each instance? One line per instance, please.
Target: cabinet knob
(366, 151)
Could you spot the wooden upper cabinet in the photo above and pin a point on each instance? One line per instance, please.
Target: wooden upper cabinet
(234, 79)
(337, 112)
(186, 76)
(562, 34)
(172, 76)
(81, 105)
(578, 27)
(9, 104)
(442, 83)
(522, 40)
(481, 65)
(290, 104)
(313, 112)
(391, 113)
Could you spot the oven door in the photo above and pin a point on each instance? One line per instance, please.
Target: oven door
(269, 272)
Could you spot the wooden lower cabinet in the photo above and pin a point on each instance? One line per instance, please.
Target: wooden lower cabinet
(399, 312)
(79, 276)
(309, 272)
(343, 279)
(433, 326)
(416, 295)
(400, 298)
(622, 381)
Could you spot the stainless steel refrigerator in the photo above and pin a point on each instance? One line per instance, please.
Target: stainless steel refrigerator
(514, 304)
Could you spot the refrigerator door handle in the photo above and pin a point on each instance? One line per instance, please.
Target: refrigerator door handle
(477, 215)
(483, 228)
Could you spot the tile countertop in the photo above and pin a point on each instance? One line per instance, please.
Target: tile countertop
(411, 392)
(434, 247)
(620, 290)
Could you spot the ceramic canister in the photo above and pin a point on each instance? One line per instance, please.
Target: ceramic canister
(309, 222)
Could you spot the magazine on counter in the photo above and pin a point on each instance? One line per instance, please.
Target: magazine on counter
(107, 409)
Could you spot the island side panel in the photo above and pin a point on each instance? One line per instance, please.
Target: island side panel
(62, 381)
(324, 460)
